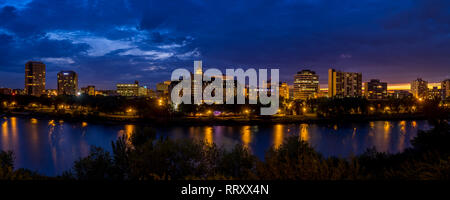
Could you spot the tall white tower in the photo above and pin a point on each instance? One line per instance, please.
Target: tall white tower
(198, 82)
(198, 67)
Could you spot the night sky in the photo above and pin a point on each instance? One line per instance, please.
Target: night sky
(112, 41)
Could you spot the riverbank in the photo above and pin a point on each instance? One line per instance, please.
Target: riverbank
(212, 120)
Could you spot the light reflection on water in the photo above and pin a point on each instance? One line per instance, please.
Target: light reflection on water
(51, 146)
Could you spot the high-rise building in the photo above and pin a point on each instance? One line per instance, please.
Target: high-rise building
(198, 69)
(284, 90)
(344, 84)
(445, 86)
(291, 91)
(34, 78)
(375, 89)
(130, 90)
(306, 84)
(89, 90)
(67, 83)
(419, 88)
(197, 88)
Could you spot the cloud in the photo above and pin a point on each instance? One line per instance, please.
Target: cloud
(151, 55)
(189, 55)
(59, 61)
(170, 46)
(153, 68)
(16, 3)
(99, 46)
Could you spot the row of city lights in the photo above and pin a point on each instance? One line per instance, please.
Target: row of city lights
(160, 102)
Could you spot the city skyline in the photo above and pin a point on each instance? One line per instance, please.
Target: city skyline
(322, 86)
(394, 41)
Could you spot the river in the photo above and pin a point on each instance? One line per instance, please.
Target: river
(51, 146)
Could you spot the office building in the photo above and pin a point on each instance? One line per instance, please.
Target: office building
(162, 89)
(291, 91)
(306, 85)
(143, 91)
(284, 90)
(375, 89)
(129, 90)
(88, 90)
(434, 92)
(197, 88)
(344, 84)
(67, 83)
(34, 78)
(399, 94)
(419, 88)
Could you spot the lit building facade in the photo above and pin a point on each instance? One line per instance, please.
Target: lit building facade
(67, 83)
(51, 92)
(399, 94)
(291, 91)
(306, 84)
(445, 86)
(435, 92)
(419, 88)
(284, 90)
(143, 91)
(375, 89)
(34, 78)
(344, 84)
(128, 90)
(89, 90)
(162, 89)
(197, 88)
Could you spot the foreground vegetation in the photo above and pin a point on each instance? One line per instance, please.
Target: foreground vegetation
(146, 157)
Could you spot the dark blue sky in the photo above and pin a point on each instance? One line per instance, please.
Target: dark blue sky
(111, 41)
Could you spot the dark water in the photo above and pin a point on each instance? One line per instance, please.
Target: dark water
(51, 146)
